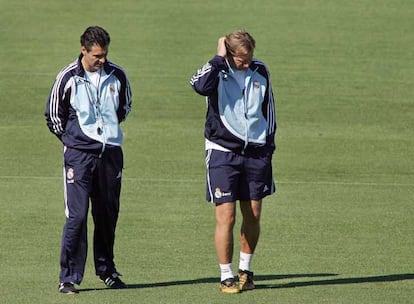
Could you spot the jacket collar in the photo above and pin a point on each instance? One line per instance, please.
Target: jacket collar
(81, 71)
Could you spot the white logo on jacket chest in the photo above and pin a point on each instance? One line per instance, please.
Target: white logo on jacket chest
(112, 88)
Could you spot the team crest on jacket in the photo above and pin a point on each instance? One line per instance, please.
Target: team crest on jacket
(70, 175)
(256, 84)
(112, 88)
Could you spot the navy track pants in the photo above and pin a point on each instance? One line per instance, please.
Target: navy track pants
(88, 177)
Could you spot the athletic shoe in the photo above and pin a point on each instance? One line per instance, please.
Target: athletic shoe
(229, 286)
(113, 281)
(245, 280)
(67, 288)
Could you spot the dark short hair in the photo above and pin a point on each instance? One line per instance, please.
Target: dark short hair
(95, 35)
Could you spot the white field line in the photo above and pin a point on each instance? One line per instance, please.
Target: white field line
(192, 181)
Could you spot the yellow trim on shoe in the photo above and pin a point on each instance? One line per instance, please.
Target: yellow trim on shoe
(229, 286)
(245, 280)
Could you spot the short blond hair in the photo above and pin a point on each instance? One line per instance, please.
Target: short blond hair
(240, 40)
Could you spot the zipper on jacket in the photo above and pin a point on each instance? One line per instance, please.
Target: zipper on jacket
(96, 105)
(246, 92)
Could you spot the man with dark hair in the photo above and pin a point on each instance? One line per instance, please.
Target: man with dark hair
(88, 100)
(95, 35)
(239, 135)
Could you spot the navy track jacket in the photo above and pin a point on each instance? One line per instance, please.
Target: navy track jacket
(85, 117)
(238, 119)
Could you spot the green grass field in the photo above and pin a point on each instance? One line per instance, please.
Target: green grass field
(340, 228)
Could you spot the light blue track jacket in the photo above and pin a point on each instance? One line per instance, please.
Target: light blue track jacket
(85, 117)
(238, 118)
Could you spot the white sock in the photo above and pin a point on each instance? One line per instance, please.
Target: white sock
(226, 272)
(245, 260)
